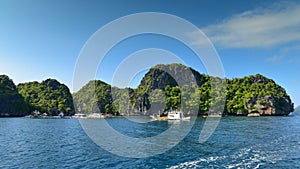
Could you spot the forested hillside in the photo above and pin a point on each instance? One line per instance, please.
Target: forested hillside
(49, 97)
(11, 102)
(164, 87)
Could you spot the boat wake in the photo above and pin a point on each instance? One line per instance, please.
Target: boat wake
(250, 157)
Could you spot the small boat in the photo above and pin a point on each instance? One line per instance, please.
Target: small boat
(212, 115)
(172, 115)
(177, 115)
(79, 115)
(253, 115)
(89, 116)
(96, 116)
(215, 115)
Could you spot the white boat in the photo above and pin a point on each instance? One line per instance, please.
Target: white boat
(96, 116)
(177, 115)
(172, 115)
(79, 115)
(253, 115)
(89, 116)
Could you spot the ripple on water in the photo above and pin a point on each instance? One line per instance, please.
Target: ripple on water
(238, 142)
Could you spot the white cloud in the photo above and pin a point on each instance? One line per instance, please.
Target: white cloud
(274, 59)
(291, 48)
(257, 28)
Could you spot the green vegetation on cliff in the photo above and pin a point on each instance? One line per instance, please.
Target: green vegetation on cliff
(257, 94)
(164, 87)
(254, 93)
(49, 97)
(11, 102)
(95, 97)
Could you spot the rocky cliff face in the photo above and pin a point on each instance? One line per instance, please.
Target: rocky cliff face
(257, 94)
(246, 95)
(160, 76)
(165, 78)
(268, 105)
(166, 85)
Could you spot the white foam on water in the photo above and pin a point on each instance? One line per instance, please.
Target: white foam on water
(251, 157)
(197, 163)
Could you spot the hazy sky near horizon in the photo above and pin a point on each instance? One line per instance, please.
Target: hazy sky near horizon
(43, 39)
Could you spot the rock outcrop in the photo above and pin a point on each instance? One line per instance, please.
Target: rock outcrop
(257, 94)
(164, 87)
(12, 104)
(267, 106)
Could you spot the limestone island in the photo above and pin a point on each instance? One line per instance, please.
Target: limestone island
(164, 88)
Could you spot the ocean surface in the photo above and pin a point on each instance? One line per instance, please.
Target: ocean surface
(238, 142)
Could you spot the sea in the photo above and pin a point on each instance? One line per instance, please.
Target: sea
(237, 142)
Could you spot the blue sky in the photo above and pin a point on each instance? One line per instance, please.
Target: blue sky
(43, 39)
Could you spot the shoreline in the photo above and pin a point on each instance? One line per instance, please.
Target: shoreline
(203, 115)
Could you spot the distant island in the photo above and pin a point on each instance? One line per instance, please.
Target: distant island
(244, 96)
(297, 110)
(49, 97)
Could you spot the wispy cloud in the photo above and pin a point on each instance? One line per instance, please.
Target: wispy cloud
(274, 59)
(291, 48)
(277, 25)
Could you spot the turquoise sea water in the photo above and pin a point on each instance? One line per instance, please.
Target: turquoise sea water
(238, 142)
